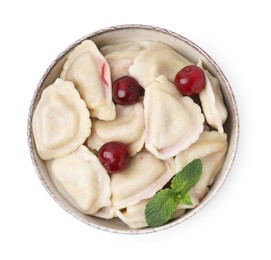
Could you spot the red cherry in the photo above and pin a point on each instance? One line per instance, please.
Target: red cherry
(190, 80)
(126, 91)
(114, 156)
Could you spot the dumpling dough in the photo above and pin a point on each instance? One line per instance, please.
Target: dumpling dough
(134, 216)
(212, 102)
(61, 121)
(211, 149)
(120, 62)
(82, 180)
(178, 212)
(87, 68)
(143, 177)
(106, 213)
(125, 46)
(128, 127)
(121, 56)
(157, 59)
(172, 122)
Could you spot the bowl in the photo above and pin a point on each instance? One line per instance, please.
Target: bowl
(190, 51)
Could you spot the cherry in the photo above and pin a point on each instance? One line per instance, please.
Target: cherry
(126, 91)
(114, 156)
(190, 80)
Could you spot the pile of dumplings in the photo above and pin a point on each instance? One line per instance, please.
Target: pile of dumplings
(163, 131)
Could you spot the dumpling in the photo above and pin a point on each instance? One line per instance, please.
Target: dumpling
(93, 142)
(157, 59)
(134, 216)
(124, 46)
(143, 177)
(105, 212)
(87, 68)
(178, 212)
(128, 127)
(61, 121)
(82, 180)
(172, 122)
(212, 102)
(211, 149)
(120, 62)
(121, 56)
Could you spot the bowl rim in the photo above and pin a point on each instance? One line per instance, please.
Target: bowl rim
(235, 119)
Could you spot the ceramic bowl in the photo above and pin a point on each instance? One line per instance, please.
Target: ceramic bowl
(189, 50)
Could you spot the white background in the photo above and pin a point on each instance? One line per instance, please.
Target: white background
(234, 225)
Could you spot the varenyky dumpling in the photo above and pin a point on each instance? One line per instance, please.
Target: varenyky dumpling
(61, 121)
(212, 102)
(127, 127)
(211, 148)
(87, 68)
(106, 213)
(120, 62)
(124, 46)
(134, 215)
(82, 180)
(121, 56)
(143, 177)
(172, 122)
(157, 59)
(178, 212)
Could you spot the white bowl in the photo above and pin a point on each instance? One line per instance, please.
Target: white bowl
(189, 50)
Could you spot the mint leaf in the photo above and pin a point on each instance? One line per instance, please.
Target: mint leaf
(160, 207)
(184, 200)
(187, 177)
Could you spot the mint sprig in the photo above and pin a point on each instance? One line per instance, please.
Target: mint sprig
(187, 178)
(184, 199)
(162, 205)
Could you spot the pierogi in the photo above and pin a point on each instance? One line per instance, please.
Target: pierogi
(61, 121)
(157, 59)
(127, 127)
(87, 68)
(82, 180)
(163, 130)
(172, 122)
(212, 102)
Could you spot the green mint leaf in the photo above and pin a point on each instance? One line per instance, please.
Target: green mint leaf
(160, 207)
(187, 177)
(184, 200)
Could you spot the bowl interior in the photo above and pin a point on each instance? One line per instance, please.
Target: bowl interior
(123, 34)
